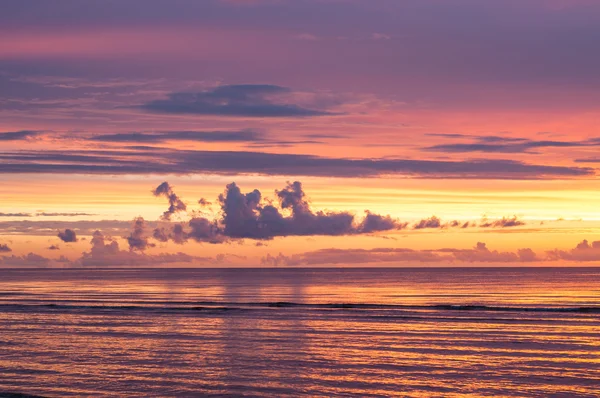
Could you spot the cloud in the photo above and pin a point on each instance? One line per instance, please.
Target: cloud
(432, 222)
(364, 256)
(203, 202)
(30, 260)
(108, 254)
(45, 214)
(4, 248)
(176, 205)
(479, 254)
(15, 215)
(375, 222)
(241, 213)
(197, 136)
(144, 161)
(201, 230)
(280, 260)
(68, 235)
(177, 234)
(138, 239)
(244, 100)
(18, 135)
(527, 255)
(504, 222)
(48, 228)
(584, 251)
(102, 252)
(54, 247)
(161, 234)
(498, 144)
(245, 216)
(304, 221)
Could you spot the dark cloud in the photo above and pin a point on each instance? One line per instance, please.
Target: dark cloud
(436, 223)
(54, 247)
(4, 248)
(175, 204)
(161, 234)
(198, 136)
(498, 144)
(305, 222)
(588, 160)
(138, 239)
(241, 213)
(169, 161)
(201, 230)
(15, 215)
(504, 222)
(246, 100)
(375, 222)
(68, 235)
(431, 222)
(178, 235)
(203, 202)
(18, 135)
(246, 215)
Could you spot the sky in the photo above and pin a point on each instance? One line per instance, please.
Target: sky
(280, 133)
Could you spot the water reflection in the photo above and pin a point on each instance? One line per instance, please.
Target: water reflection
(185, 333)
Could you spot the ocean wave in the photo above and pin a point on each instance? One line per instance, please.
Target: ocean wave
(239, 306)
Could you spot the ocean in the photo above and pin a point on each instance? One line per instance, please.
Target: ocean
(451, 332)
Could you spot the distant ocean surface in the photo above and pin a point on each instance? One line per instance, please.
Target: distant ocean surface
(301, 332)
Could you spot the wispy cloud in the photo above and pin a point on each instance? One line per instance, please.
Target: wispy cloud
(478, 254)
(172, 136)
(170, 161)
(19, 135)
(498, 144)
(244, 100)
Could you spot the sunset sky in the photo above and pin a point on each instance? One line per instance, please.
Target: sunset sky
(376, 132)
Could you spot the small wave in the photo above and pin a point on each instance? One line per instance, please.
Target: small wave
(112, 307)
(444, 307)
(216, 306)
(448, 307)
